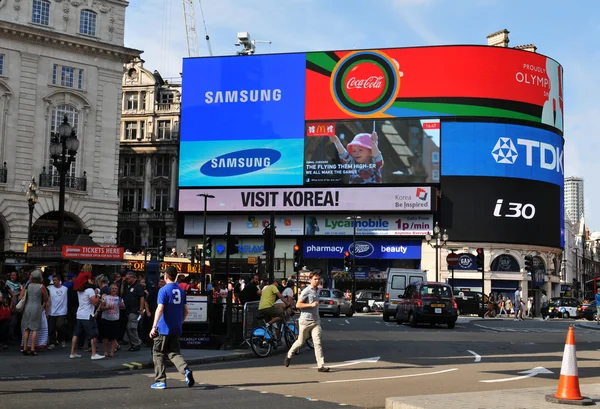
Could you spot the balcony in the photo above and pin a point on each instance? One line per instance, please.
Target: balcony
(3, 174)
(147, 216)
(71, 182)
(171, 106)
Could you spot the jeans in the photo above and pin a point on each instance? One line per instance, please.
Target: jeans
(57, 325)
(167, 345)
(309, 329)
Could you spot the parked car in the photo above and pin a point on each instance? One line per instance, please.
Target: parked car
(369, 301)
(588, 311)
(397, 280)
(427, 301)
(563, 307)
(332, 301)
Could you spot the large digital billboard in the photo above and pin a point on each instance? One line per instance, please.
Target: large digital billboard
(498, 149)
(501, 210)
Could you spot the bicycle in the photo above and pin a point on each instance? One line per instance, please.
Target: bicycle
(263, 341)
(295, 327)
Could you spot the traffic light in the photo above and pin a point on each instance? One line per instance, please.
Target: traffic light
(528, 264)
(479, 260)
(162, 249)
(297, 256)
(192, 255)
(233, 243)
(269, 236)
(347, 259)
(198, 253)
(208, 247)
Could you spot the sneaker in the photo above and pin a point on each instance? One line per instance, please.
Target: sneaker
(516, 319)
(159, 385)
(189, 378)
(73, 356)
(95, 357)
(134, 349)
(287, 361)
(323, 369)
(51, 347)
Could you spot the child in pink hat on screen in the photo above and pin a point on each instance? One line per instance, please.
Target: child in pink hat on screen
(364, 157)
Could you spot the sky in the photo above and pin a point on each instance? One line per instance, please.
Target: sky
(567, 33)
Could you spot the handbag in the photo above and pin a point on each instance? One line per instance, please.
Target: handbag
(21, 304)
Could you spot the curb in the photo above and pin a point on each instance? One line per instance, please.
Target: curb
(132, 366)
(588, 326)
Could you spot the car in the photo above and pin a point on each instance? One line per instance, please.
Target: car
(368, 301)
(427, 301)
(563, 307)
(397, 280)
(332, 301)
(588, 311)
(469, 302)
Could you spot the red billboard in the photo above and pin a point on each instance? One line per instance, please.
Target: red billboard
(434, 81)
(92, 252)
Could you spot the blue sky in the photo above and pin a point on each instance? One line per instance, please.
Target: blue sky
(567, 33)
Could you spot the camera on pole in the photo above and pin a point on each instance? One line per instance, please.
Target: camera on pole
(479, 260)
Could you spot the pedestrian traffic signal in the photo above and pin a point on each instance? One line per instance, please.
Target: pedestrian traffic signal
(479, 260)
(233, 243)
(162, 249)
(208, 247)
(347, 259)
(528, 264)
(297, 256)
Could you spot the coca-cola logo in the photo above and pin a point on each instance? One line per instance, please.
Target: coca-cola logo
(365, 83)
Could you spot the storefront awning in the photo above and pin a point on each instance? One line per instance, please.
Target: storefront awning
(98, 262)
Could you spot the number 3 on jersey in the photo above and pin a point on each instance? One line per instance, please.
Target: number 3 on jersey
(176, 296)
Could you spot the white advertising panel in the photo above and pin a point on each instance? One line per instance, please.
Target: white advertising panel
(243, 225)
(384, 225)
(198, 308)
(408, 199)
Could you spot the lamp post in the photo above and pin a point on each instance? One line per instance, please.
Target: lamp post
(354, 219)
(437, 241)
(203, 258)
(32, 199)
(63, 149)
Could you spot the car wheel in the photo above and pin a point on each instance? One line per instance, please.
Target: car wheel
(451, 325)
(398, 318)
(350, 312)
(366, 309)
(412, 320)
(386, 317)
(566, 315)
(337, 313)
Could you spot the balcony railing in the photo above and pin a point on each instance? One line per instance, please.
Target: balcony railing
(71, 182)
(146, 216)
(3, 174)
(169, 106)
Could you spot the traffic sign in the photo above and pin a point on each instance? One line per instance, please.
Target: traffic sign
(252, 260)
(452, 259)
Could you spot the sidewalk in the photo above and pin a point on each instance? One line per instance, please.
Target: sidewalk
(533, 398)
(13, 364)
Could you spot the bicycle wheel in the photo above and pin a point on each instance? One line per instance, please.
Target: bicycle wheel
(260, 342)
(289, 336)
(310, 343)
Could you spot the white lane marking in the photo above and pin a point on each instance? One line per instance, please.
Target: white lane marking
(377, 322)
(355, 362)
(476, 355)
(264, 392)
(289, 396)
(391, 377)
(528, 374)
(347, 322)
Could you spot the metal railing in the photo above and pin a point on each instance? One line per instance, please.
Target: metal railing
(145, 215)
(71, 182)
(168, 106)
(3, 174)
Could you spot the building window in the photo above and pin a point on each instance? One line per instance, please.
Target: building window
(58, 114)
(164, 130)
(161, 199)
(87, 22)
(142, 129)
(1, 64)
(41, 12)
(161, 167)
(67, 76)
(131, 200)
(166, 98)
(158, 234)
(132, 166)
(143, 99)
(130, 131)
(132, 100)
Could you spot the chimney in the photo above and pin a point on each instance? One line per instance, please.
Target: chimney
(498, 39)
(527, 47)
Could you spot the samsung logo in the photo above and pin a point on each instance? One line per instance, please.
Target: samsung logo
(243, 96)
(240, 162)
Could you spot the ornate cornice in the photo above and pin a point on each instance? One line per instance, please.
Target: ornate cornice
(32, 34)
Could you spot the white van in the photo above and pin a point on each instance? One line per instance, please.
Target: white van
(397, 280)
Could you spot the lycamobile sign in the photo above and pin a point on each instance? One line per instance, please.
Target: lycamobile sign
(384, 225)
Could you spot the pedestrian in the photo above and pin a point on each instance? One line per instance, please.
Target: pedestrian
(502, 309)
(519, 305)
(598, 307)
(166, 331)
(310, 322)
(508, 306)
(57, 315)
(86, 325)
(35, 305)
(133, 297)
(544, 309)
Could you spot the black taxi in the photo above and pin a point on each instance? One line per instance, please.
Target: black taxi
(427, 302)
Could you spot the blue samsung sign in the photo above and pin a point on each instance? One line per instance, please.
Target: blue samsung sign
(365, 249)
(240, 162)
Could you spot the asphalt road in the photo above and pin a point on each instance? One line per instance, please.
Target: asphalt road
(392, 360)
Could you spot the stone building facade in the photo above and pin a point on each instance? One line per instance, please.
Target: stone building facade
(60, 57)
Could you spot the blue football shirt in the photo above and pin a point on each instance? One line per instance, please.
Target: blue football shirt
(173, 299)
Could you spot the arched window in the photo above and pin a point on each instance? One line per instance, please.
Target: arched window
(87, 22)
(58, 113)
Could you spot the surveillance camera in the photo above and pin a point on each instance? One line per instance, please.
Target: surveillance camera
(243, 37)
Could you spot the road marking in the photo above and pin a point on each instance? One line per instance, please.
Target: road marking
(528, 374)
(477, 356)
(9, 378)
(377, 322)
(347, 322)
(391, 377)
(355, 362)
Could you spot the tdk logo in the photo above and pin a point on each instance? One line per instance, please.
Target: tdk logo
(551, 157)
(240, 162)
(363, 249)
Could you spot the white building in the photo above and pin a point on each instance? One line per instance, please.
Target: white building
(60, 57)
(574, 199)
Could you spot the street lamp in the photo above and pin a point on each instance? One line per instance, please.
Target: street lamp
(63, 149)
(203, 258)
(354, 219)
(32, 199)
(437, 241)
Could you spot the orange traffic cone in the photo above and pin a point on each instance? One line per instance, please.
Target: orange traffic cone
(568, 385)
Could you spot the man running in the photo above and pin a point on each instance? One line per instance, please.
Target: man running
(166, 330)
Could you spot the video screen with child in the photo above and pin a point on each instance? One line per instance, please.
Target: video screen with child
(372, 151)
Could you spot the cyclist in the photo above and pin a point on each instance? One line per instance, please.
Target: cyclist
(267, 307)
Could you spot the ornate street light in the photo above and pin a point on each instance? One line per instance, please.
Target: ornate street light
(32, 199)
(63, 150)
(437, 241)
(354, 219)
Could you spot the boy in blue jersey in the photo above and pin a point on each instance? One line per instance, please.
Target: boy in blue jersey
(166, 330)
